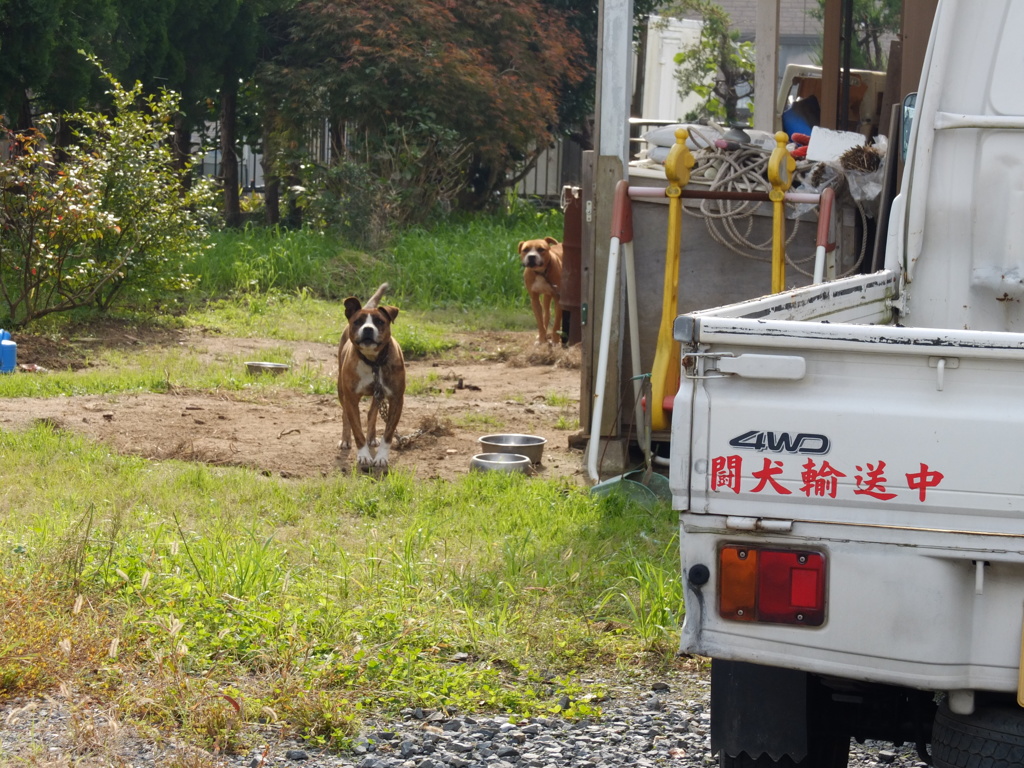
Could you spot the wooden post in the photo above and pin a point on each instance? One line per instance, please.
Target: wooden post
(766, 75)
(831, 40)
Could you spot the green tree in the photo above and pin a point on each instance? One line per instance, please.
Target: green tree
(203, 50)
(40, 69)
(720, 68)
(101, 221)
(874, 21)
(240, 44)
(28, 36)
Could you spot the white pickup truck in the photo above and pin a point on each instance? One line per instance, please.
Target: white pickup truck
(848, 458)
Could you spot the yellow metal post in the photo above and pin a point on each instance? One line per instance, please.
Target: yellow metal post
(780, 174)
(665, 372)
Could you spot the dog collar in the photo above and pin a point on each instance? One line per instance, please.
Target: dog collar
(544, 274)
(382, 357)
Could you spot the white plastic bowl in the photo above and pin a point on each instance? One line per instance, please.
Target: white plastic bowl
(530, 446)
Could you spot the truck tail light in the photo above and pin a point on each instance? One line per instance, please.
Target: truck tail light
(737, 587)
(771, 585)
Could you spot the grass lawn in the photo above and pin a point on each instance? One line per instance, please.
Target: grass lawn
(196, 598)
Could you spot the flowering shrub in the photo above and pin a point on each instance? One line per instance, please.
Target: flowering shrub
(103, 220)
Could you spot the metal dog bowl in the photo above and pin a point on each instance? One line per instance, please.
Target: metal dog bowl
(530, 446)
(257, 367)
(501, 462)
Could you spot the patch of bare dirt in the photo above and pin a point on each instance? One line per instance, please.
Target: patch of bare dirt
(491, 382)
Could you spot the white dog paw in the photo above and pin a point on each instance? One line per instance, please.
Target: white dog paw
(344, 445)
(363, 457)
(381, 459)
(375, 442)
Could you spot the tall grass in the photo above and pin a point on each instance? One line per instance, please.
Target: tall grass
(466, 262)
(386, 591)
(257, 260)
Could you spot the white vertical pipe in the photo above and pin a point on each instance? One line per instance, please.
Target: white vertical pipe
(819, 264)
(634, 348)
(597, 410)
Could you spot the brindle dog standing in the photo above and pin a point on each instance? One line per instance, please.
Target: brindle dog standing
(370, 364)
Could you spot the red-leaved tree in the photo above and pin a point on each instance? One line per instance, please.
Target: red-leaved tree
(470, 88)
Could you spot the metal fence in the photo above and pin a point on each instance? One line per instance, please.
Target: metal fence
(558, 167)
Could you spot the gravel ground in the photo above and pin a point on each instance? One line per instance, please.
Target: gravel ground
(642, 725)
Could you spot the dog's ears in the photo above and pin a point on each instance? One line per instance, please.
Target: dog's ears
(391, 312)
(550, 241)
(520, 248)
(352, 305)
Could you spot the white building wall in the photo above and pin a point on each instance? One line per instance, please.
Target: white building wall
(666, 38)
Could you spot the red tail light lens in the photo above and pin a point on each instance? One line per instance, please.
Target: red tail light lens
(771, 585)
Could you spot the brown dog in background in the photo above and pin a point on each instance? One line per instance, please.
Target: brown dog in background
(370, 364)
(542, 273)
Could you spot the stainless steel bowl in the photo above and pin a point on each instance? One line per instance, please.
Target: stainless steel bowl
(530, 446)
(501, 462)
(257, 367)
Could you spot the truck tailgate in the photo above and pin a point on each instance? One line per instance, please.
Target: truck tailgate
(882, 418)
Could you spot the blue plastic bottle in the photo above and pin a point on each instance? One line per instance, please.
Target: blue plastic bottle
(8, 352)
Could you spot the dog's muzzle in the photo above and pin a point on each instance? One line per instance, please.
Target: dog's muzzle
(367, 336)
(367, 333)
(533, 260)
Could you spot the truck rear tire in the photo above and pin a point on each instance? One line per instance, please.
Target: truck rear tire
(991, 737)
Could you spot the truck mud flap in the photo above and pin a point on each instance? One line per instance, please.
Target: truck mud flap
(757, 709)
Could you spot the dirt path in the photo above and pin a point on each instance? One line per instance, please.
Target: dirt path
(493, 382)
